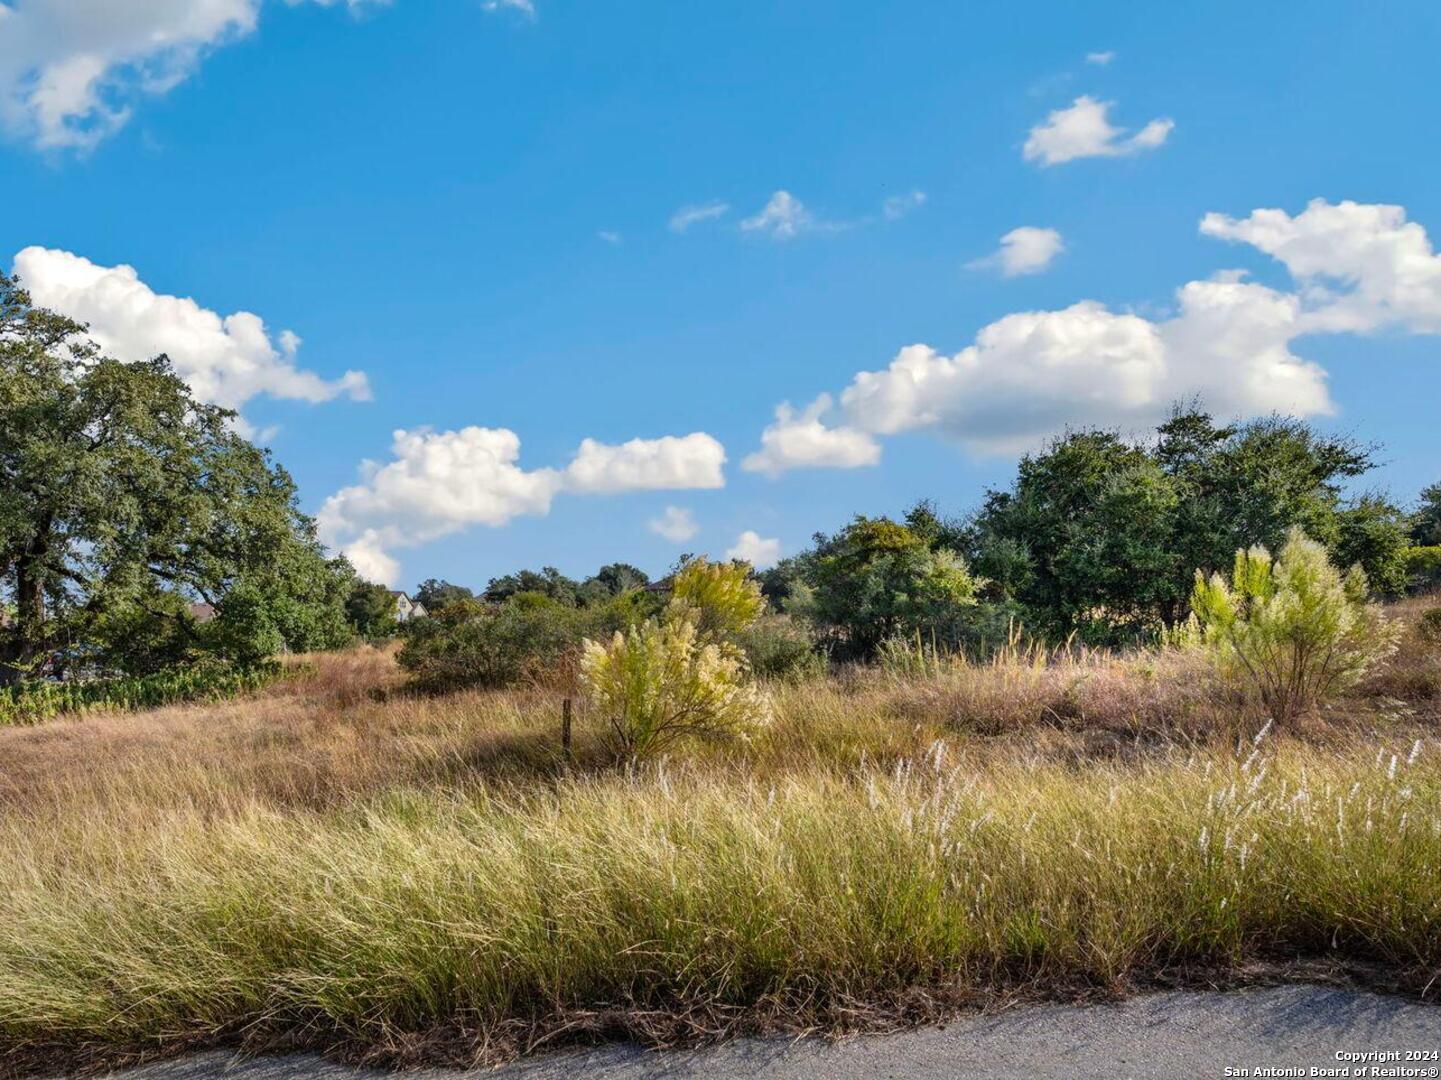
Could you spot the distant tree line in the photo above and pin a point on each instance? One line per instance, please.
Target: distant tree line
(139, 532)
(1099, 538)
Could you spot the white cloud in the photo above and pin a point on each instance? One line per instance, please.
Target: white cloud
(525, 7)
(685, 461)
(802, 440)
(784, 217)
(370, 559)
(754, 549)
(1083, 130)
(1026, 250)
(610, 236)
(898, 206)
(1228, 341)
(676, 523)
(1027, 373)
(1361, 266)
(226, 359)
(687, 216)
(439, 483)
(71, 70)
(1100, 59)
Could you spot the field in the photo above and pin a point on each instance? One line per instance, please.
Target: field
(336, 863)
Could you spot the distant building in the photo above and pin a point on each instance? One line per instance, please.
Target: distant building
(406, 608)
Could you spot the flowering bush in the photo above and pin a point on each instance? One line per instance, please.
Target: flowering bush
(721, 598)
(1297, 628)
(658, 682)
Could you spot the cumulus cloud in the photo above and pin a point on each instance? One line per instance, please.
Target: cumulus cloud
(439, 483)
(687, 216)
(676, 523)
(1026, 250)
(1227, 340)
(1100, 59)
(784, 217)
(802, 440)
(1027, 372)
(71, 70)
(1084, 130)
(1361, 266)
(226, 359)
(687, 461)
(370, 559)
(755, 549)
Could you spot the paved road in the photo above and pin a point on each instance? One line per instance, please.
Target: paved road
(1173, 1036)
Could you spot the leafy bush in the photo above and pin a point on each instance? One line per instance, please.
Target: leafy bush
(1423, 568)
(370, 610)
(1296, 628)
(779, 647)
(32, 703)
(877, 579)
(722, 598)
(474, 644)
(660, 682)
(1430, 625)
(530, 637)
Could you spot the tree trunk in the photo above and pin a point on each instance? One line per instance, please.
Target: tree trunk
(26, 639)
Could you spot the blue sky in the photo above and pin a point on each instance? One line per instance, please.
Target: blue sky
(471, 204)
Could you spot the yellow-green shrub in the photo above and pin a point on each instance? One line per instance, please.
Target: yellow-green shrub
(1296, 627)
(722, 598)
(659, 682)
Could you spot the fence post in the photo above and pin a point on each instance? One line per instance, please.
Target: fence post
(565, 716)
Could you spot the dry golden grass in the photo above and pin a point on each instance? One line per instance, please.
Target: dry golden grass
(339, 863)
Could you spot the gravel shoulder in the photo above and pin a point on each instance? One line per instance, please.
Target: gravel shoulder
(1182, 1034)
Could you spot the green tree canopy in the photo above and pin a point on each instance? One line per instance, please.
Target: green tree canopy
(435, 595)
(1426, 521)
(612, 580)
(370, 610)
(548, 580)
(1101, 535)
(877, 579)
(123, 499)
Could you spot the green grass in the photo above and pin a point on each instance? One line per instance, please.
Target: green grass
(696, 900)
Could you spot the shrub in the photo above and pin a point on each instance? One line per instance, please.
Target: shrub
(1430, 625)
(1296, 628)
(1423, 568)
(472, 644)
(370, 610)
(33, 703)
(876, 579)
(660, 682)
(779, 647)
(722, 598)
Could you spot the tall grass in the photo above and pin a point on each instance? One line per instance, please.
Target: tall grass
(693, 901)
(335, 863)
